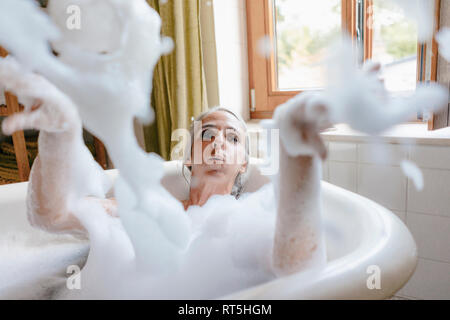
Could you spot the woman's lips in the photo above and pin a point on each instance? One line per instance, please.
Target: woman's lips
(216, 160)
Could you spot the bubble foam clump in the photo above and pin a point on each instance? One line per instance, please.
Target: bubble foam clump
(358, 97)
(229, 249)
(422, 13)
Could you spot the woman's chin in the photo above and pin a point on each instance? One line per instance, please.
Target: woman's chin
(217, 169)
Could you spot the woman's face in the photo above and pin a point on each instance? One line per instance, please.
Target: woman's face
(218, 150)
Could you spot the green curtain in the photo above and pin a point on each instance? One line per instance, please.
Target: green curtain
(179, 89)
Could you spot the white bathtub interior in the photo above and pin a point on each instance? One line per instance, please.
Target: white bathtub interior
(359, 234)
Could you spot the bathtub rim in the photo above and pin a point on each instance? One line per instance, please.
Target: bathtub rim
(395, 274)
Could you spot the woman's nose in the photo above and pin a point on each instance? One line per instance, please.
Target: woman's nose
(218, 145)
(219, 141)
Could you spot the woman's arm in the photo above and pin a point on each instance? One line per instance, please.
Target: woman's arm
(299, 241)
(64, 170)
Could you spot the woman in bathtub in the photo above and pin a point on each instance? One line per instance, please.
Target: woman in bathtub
(223, 143)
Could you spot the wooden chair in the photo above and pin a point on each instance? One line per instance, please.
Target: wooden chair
(20, 149)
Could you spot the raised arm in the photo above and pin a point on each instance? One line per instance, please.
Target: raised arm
(64, 170)
(299, 241)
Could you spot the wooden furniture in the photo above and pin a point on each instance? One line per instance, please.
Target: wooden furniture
(100, 153)
(20, 149)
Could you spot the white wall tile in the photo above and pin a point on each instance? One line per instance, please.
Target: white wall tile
(325, 175)
(435, 197)
(400, 214)
(430, 281)
(342, 151)
(343, 174)
(432, 235)
(377, 153)
(431, 156)
(383, 184)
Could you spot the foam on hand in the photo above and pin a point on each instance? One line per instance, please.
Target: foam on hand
(358, 97)
(443, 38)
(23, 26)
(353, 95)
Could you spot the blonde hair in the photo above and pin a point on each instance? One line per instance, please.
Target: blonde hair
(241, 178)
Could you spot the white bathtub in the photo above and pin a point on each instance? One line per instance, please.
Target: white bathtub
(362, 238)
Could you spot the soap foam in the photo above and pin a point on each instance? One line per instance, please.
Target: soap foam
(156, 249)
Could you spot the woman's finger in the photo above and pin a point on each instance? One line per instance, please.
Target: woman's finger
(371, 66)
(20, 82)
(9, 68)
(22, 121)
(36, 105)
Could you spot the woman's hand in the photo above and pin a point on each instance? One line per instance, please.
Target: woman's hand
(46, 107)
(64, 172)
(302, 118)
(300, 121)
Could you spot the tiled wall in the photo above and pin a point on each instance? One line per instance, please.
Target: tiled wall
(373, 170)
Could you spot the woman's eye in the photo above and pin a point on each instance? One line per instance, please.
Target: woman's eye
(207, 135)
(233, 138)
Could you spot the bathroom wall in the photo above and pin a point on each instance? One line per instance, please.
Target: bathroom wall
(373, 170)
(207, 28)
(225, 54)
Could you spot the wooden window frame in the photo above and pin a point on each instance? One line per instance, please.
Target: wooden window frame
(264, 97)
(262, 76)
(432, 125)
(18, 137)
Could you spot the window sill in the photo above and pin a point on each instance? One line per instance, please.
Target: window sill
(408, 133)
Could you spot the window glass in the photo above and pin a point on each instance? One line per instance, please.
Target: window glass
(394, 45)
(303, 31)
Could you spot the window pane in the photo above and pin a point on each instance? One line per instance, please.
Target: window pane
(303, 30)
(394, 45)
